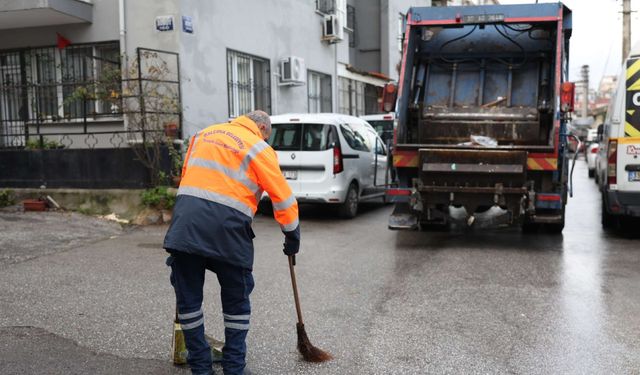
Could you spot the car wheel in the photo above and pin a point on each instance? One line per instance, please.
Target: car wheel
(349, 209)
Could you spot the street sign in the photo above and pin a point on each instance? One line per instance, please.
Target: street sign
(187, 24)
(164, 23)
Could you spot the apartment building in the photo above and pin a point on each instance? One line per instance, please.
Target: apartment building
(222, 58)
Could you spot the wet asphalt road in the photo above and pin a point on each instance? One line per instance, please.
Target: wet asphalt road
(90, 297)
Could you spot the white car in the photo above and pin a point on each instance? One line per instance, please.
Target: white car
(383, 124)
(592, 153)
(330, 158)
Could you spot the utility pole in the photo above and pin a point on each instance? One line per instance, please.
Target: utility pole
(626, 28)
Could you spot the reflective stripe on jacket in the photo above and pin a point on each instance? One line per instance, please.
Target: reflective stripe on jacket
(226, 169)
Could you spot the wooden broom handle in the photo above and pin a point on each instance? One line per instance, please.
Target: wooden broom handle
(295, 288)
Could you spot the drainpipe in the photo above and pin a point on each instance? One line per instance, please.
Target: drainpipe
(336, 89)
(124, 60)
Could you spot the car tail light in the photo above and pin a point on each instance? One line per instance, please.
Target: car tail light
(594, 150)
(612, 162)
(337, 160)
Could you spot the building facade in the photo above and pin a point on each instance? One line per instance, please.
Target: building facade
(225, 58)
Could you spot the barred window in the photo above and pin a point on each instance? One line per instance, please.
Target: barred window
(357, 98)
(319, 92)
(249, 84)
(50, 78)
(326, 6)
(351, 96)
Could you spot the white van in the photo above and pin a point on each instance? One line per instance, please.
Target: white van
(330, 158)
(383, 124)
(618, 161)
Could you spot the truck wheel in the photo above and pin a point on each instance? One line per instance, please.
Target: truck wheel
(591, 173)
(555, 228)
(349, 209)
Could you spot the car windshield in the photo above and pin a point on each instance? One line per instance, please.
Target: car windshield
(299, 137)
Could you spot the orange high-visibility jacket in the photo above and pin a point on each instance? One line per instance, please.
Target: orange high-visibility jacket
(226, 169)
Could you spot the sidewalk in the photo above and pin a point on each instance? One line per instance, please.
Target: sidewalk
(96, 292)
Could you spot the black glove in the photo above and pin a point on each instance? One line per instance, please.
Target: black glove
(291, 244)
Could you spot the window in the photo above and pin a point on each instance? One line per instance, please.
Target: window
(326, 6)
(319, 92)
(376, 142)
(50, 79)
(384, 128)
(301, 137)
(249, 83)
(400, 30)
(371, 95)
(354, 138)
(351, 25)
(351, 97)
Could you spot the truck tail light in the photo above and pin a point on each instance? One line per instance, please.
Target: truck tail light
(567, 95)
(612, 162)
(338, 166)
(389, 94)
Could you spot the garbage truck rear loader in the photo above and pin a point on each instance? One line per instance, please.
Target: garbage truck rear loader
(481, 116)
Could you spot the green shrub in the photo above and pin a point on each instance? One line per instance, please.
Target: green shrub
(47, 144)
(6, 198)
(158, 197)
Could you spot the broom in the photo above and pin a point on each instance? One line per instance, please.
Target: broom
(309, 352)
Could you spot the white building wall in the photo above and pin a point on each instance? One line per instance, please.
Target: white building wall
(389, 14)
(270, 30)
(267, 29)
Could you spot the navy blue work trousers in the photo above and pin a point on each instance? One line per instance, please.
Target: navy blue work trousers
(236, 283)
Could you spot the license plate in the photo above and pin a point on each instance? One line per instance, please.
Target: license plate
(634, 176)
(290, 175)
(483, 18)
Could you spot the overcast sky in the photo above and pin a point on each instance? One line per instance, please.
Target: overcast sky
(597, 35)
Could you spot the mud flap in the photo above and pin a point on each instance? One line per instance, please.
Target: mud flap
(403, 218)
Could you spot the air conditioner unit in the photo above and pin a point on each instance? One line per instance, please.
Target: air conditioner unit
(332, 28)
(293, 71)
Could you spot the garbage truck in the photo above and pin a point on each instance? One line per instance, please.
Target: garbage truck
(482, 106)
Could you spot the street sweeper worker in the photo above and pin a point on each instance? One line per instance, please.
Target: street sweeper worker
(226, 169)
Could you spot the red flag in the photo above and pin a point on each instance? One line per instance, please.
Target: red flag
(62, 41)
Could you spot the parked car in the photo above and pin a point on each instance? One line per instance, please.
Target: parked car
(592, 153)
(330, 159)
(618, 162)
(383, 124)
(592, 136)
